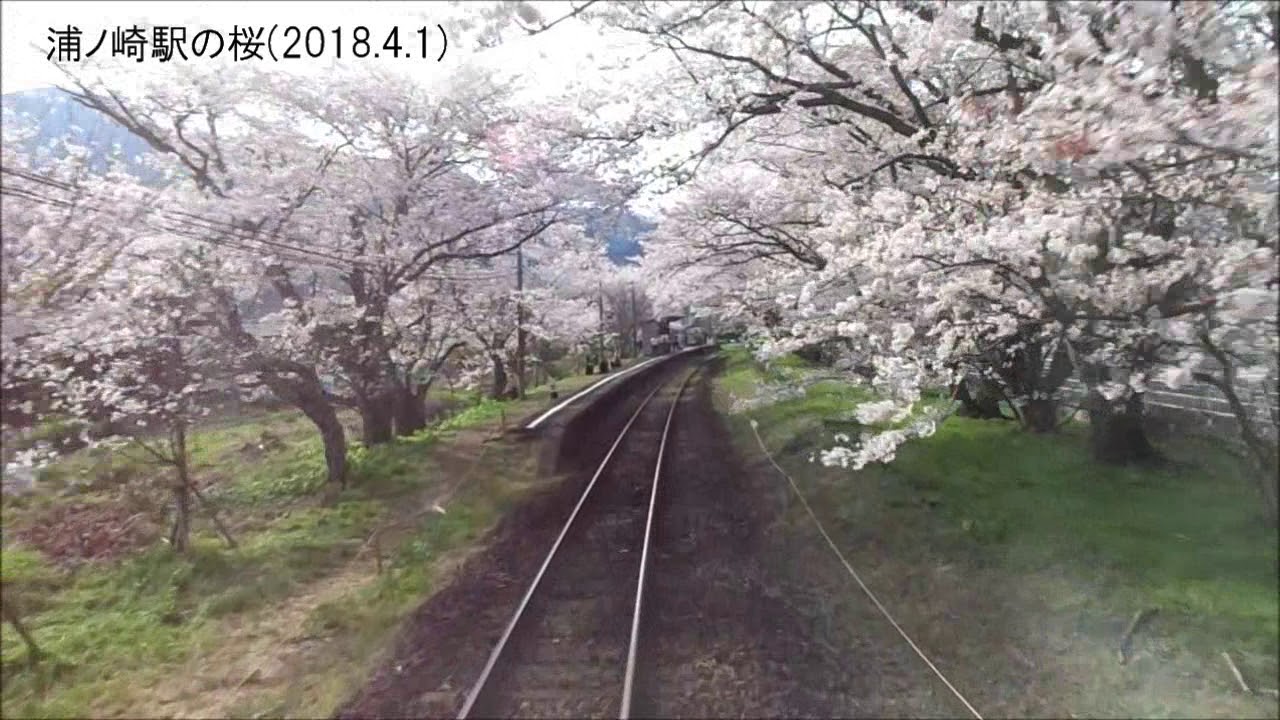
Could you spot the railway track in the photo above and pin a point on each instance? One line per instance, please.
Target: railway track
(571, 648)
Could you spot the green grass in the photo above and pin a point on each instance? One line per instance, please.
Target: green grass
(408, 577)
(114, 628)
(1188, 536)
(793, 362)
(108, 622)
(360, 623)
(97, 468)
(298, 468)
(741, 375)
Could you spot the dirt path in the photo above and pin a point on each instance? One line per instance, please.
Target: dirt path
(257, 657)
(253, 656)
(716, 642)
(741, 621)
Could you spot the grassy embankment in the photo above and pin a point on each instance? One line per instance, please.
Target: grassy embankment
(288, 623)
(1020, 562)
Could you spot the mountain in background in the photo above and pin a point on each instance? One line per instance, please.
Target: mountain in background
(621, 233)
(56, 117)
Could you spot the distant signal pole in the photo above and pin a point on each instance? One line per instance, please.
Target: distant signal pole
(520, 321)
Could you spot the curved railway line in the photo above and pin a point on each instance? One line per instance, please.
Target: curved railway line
(657, 597)
(572, 646)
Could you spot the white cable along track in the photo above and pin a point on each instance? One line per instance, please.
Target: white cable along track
(854, 573)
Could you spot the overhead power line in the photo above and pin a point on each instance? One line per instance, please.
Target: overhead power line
(211, 230)
(181, 220)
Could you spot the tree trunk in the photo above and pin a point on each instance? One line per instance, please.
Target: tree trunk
(180, 536)
(325, 418)
(1040, 415)
(307, 393)
(34, 653)
(295, 383)
(213, 515)
(1266, 462)
(1117, 433)
(377, 412)
(410, 410)
(1269, 485)
(499, 377)
(979, 399)
(518, 366)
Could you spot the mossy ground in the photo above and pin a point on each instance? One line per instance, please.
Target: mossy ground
(1022, 561)
(289, 622)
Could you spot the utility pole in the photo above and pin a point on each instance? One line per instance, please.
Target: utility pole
(635, 324)
(520, 335)
(600, 308)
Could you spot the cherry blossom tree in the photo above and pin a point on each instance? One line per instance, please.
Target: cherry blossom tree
(244, 173)
(63, 229)
(101, 312)
(385, 179)
(1020, 193)
(424, 334)
(996, 198)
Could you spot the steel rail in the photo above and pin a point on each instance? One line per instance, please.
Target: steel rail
(494, 656)
(628, 682)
